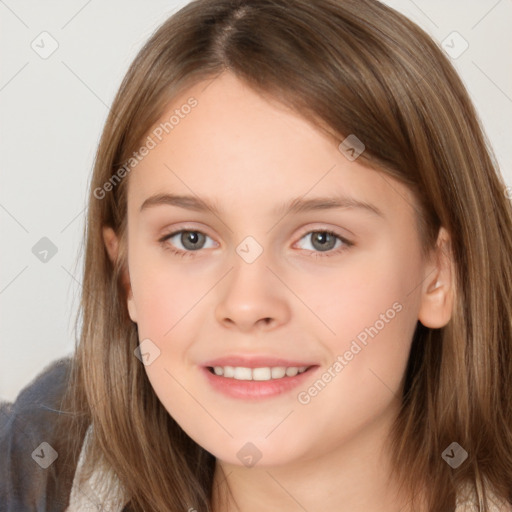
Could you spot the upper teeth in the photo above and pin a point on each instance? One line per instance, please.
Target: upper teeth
(241, 373)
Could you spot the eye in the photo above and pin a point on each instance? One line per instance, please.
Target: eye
(324, 242)
(184, 241)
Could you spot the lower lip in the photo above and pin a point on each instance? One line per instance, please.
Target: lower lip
(256, 389)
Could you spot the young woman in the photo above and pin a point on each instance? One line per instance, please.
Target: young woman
(296, 292)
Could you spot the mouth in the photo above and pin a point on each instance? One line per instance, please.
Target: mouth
(248, 383)
(258, 374)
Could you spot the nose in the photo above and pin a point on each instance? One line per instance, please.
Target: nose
(252, 298)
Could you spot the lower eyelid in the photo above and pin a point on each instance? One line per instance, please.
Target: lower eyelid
(345, 244)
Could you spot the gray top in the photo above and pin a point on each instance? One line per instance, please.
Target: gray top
(36, 469)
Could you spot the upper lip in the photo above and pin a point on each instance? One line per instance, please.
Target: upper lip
(256, 362)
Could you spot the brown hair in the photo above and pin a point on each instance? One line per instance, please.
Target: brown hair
(351, 67)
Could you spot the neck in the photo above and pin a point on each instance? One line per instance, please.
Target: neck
(353, 477)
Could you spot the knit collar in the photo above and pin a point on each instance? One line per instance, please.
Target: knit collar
(95, 494)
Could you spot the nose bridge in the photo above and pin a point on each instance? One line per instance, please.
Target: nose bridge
(251, 294)
(250, 250)
(250, 275)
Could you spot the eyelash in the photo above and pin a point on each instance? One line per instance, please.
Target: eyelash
(314, 254)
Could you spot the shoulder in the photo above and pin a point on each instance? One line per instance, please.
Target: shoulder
(467, 501)
(35, 470)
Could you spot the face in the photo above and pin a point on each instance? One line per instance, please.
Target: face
(284, 256)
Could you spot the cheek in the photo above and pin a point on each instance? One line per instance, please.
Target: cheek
(374, 321)
(164, 292)
(366, 286)
(371, 308)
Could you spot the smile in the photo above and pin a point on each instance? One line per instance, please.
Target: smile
(259, 383)
(260, 374)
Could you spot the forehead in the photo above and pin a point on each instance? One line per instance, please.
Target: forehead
(237, 149)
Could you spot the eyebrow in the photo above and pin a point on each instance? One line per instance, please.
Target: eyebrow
(297, 205)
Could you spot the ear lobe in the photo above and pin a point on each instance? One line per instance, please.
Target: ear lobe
(132, 311)
(437, 296)
(112, 246)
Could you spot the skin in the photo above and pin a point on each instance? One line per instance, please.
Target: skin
(248, 155)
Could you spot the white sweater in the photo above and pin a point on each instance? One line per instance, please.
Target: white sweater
(94, 492)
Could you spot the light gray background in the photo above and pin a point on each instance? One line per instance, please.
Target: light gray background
(52, 111)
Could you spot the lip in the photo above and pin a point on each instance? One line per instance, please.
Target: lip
(256, 362)
(256, 390)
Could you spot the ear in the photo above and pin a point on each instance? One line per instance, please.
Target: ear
(112, 245)
(437, 296)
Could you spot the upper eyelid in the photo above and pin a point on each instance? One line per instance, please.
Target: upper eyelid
(303, 233)
(174, 232)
